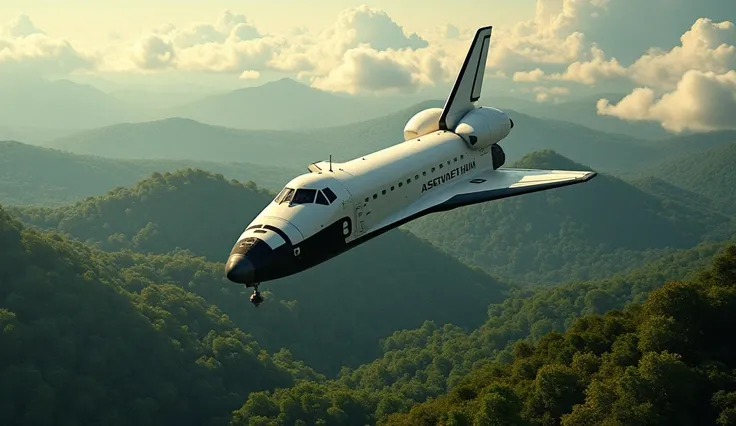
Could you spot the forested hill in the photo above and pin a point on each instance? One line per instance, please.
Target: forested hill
(431, 361)
(666, 362)
(708, 173)
(330, 316)
(78, 346)
(578, 232)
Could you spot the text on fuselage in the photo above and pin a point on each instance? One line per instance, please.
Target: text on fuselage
(452, 174)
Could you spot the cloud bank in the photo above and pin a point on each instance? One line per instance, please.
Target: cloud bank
(685, 86)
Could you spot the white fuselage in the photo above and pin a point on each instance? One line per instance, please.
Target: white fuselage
(373, 187)
(386, 181)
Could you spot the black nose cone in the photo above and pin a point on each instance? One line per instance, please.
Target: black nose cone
(239, 269)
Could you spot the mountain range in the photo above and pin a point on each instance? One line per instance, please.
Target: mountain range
(41, 176)
(33, 110)
(178, 138)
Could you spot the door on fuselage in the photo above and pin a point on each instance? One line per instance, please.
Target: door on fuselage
(359, 219)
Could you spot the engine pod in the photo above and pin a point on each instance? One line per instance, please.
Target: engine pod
(482, 127)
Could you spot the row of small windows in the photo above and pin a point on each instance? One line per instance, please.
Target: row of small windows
(306, 196)
(416, 177)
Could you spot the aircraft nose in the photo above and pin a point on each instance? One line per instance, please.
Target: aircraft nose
(239, 269)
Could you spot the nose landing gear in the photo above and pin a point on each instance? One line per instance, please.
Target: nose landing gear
(256, 298)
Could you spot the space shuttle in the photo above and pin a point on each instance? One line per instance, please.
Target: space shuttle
(450, 158)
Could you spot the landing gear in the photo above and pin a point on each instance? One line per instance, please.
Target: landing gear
(256, 298)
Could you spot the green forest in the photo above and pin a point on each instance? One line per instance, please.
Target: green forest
(607, 303)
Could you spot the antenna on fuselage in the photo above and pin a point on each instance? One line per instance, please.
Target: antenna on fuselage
(330, 162)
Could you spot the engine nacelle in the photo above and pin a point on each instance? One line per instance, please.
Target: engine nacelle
(484, 126)
(423, 123)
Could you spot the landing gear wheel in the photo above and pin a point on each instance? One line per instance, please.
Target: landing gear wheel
(256, 298)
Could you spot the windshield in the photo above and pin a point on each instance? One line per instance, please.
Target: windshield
(284, 196)
(304, 196)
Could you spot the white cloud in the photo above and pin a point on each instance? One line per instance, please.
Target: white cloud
(20, 26)
(366, 69)
(695, 82)
(529, 76)
(550, 94)
(367, 51)
(707, 46)
(590, 72)
(250, 75)
(322, 52)
(551, 38)
(153, 52)
(26, 49)
(701, 101)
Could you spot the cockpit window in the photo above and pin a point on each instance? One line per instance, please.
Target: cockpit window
(329, 194)
(284, 196)
(304, 196)
(321, 199)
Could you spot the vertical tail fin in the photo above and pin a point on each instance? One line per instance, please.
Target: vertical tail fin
(469, 82)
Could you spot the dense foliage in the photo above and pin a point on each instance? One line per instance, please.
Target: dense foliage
(707, 173)
(665, 362)
(579, 232)
(330, 316)
(430, 361)
(82, 342)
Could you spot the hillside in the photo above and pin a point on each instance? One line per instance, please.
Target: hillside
(580, 232)
(421, 364)
(339, 309)
(34, 175)
(284, 104)
(179, 138)
(62, 104)
(663, 362)
(708, 173)
(78, 346)
(33, 135)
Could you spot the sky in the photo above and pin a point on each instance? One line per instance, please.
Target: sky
(674, 58)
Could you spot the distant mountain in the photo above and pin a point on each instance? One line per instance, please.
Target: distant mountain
(284, 104)
(668, 191)
(34, 135)
(584, 112)
(178, 138)
(581, 232)
(706, 172)
(60, 104)
(604, 151)
(157, 101)
(338, 310)
(40, 176)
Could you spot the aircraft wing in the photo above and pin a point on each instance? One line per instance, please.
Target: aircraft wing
(487, 186)
(502, 183)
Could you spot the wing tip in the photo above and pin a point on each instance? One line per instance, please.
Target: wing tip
(588, 176)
